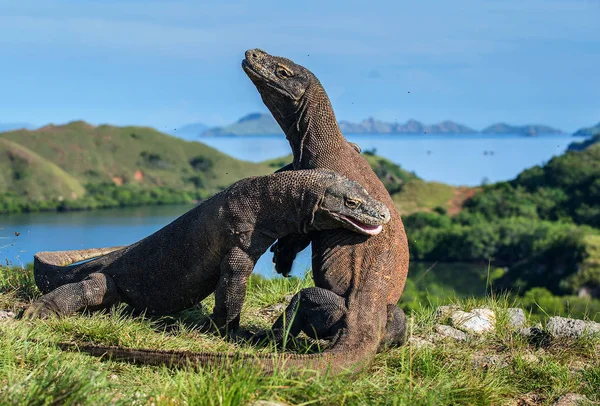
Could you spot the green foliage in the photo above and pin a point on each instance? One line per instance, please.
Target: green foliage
(581, 145)
(566, 188)
(537, 252)
(541, 302)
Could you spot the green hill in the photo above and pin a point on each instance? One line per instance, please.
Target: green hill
(581, 145)
(76, 163)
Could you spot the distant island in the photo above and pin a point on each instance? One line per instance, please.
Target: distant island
(264, 124)
(529, 130)
(372, 126)
(588, 131)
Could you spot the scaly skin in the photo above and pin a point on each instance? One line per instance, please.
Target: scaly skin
(211, 248)
(364, 278)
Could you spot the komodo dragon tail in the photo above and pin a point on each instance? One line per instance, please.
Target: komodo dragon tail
(49, 266)
(351, 360)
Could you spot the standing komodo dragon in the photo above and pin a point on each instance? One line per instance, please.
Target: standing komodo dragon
(211, 248)
(358, 281)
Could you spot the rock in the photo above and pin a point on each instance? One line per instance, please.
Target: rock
(572, 399)
(418, 342)
(530, 358)
(562, 327)
(275, 309)
(6, 315)
(530, 399)
(443, 312)
(516, 318)
(477, 321)
(267, 403)
(450, 332)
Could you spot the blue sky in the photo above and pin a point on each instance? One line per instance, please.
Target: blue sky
(168, 63)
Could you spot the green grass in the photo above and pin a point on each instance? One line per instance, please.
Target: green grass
(39, 373)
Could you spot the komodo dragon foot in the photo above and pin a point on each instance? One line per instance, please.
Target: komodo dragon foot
(95, 292)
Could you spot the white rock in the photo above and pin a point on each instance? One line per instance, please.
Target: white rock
(477, 322)
(562, 327)
(267, 403)
(418, 342)
(6, 315)
(451, 332)
(516, 318)
(487, 314)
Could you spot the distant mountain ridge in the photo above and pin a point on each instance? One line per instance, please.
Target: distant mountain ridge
(530, 130)
(370, 125)
(265, 124)
(588, 131)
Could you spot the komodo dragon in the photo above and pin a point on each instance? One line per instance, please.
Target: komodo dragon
(211, 248)
(358, 281)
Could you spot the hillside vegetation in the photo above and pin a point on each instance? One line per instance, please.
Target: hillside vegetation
(539, 231)
(82, 166)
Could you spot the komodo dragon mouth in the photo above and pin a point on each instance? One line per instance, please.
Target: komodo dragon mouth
(360, 227)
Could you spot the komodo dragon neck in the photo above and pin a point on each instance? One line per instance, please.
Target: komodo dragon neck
(314, 116)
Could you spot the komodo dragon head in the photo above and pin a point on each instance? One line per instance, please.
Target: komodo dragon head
(348, 204)
(283, 85)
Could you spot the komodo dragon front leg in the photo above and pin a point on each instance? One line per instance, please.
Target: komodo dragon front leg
(230, 294)
(96, 291)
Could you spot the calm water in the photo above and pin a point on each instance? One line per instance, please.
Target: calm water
(453, 159)
(102, 228)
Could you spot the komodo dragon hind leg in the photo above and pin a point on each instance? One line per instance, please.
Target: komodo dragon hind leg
(97, 291)
(314, 311)
(317, 312)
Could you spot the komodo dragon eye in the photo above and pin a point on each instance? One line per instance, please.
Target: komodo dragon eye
(351, 203)
(283, 72)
